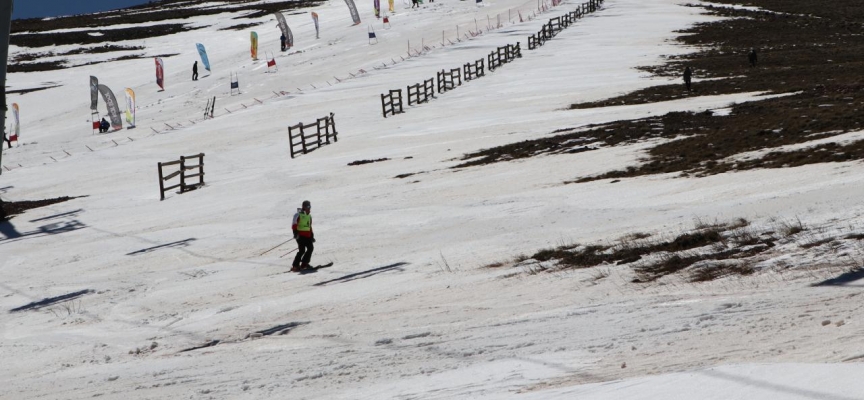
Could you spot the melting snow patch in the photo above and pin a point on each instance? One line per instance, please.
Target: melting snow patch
(722, 112)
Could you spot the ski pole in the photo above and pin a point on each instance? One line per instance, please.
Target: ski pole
(274, 248)
(287, 253)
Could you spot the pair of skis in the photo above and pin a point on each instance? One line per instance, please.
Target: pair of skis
(305, 271)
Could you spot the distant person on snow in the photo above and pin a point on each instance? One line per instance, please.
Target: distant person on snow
(752, 57)
(302, 228)
(103, 126)
(688, 73)
(195, 71)
(282, 41)
(415, 3)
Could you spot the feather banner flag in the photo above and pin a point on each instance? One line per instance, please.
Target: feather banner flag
(254, 37)
(113, 107)
(160, 73)
(354, 14)
(286, 31)
(130, 108)
(377, 5)
(315, 20)
(203, 52)
(392, 6)
(16, 123)
(94, 92)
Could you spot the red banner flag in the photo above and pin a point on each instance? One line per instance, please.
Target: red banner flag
(160, 74)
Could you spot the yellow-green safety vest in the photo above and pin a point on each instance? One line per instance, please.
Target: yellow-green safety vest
(304, 222)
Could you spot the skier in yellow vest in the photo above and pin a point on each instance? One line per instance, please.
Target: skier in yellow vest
(302, 227)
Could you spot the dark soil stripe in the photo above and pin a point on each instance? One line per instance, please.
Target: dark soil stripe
(205, 345)
(281, 329)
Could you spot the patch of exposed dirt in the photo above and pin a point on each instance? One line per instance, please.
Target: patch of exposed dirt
(811, 52)
(797, 51)
(155, 11)
(36, 40)
(562, 144)
(55, 65)
(703, 254)
(108, 48)
(30, 90)
(241, 27)
(361, 162)
(403, 176)
(36, 67)
(36, 34)
(24, 62)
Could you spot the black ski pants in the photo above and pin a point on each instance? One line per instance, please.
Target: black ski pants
(304, 251)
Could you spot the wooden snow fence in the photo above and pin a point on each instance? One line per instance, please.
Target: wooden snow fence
(511, 52)
(494, 60)
(535, 41)
(448, 80)
(391, 103)
(558, 24)
(181, 172)
(504, 55)
(474, 70)
(421, 93)
(555, 25)
(304, 138)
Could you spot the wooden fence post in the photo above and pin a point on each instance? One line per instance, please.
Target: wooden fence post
(161, 184)
(201, 169)
(182, 174)
(333, 124)
(291, 141)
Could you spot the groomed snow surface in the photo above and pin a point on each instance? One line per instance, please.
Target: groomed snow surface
(407, 310)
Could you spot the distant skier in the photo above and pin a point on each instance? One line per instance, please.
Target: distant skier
(752, 58)
(195, 71)
(104, 126)
(282, 41)
(415, 3)
(302, 228)
(688, 73)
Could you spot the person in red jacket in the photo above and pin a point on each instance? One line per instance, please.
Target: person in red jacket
(302, 227)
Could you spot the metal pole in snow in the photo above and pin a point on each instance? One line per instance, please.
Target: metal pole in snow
(5, 26)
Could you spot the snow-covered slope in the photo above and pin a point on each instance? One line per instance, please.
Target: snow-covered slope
(406, 311)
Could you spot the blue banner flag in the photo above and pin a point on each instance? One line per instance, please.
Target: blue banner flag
(203, 54)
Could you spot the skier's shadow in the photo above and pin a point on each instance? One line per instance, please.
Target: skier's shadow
(364, 274)
(177, 244)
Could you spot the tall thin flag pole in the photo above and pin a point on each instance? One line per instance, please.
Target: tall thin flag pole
(5, 26)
